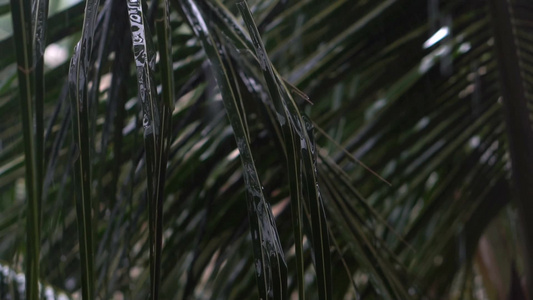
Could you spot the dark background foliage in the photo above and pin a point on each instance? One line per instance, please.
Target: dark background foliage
(266, 149)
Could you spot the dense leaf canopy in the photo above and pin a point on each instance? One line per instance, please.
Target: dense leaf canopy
(213, 149)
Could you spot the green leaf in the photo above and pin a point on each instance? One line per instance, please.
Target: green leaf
(156, 125)
(512, 47)
(295, 129)
(271, 269)
(80, 65)
(31, 101)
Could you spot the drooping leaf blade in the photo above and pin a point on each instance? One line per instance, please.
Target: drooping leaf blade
(271, 269)
(80, 65)
(21, 18)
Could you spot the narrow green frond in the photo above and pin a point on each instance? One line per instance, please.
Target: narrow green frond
(512, 50)
(156, 123)
(30, 100)
(80, 65)
(271, 269)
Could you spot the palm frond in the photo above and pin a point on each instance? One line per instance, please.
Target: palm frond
(246, 153)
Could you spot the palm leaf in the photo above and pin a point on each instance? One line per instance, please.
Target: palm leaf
(406, 90)
(270, 266)
(512, 47)
(78, 74)
(30, 71)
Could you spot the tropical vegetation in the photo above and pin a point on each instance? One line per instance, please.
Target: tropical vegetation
(278, 149)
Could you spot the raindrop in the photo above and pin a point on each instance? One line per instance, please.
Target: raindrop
(303, 144)
(146, 121)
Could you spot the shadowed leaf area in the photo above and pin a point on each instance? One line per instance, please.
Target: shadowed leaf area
(278, 149)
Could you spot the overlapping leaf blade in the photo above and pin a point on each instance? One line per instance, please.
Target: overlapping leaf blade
(271, 270)
(80, 65)
(426, 118)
